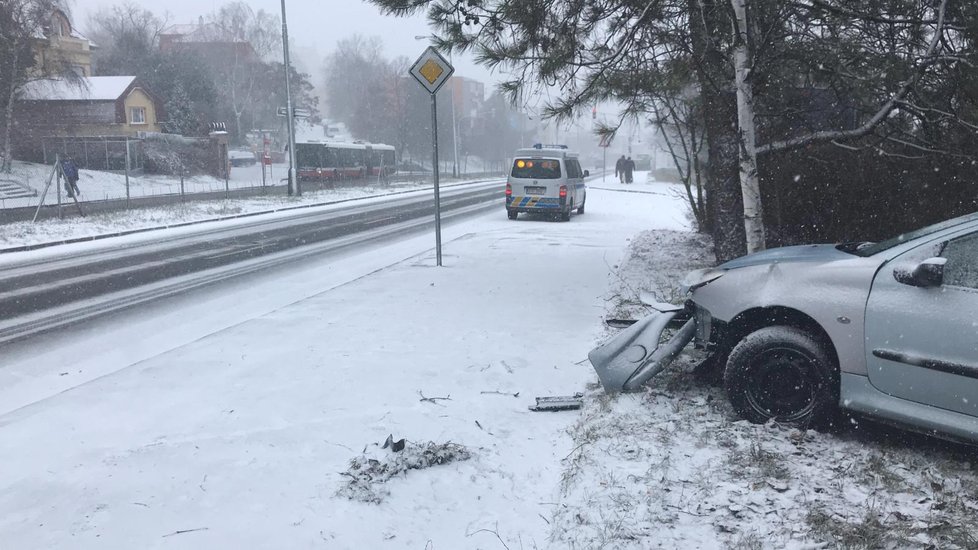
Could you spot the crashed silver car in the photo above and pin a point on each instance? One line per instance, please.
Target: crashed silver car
(887, 329)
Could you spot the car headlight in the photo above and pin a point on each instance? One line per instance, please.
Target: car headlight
(700, 277)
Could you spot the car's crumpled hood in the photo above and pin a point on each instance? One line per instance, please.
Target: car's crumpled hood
(803, 253)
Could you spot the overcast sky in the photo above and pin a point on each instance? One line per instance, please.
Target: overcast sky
(314, 26)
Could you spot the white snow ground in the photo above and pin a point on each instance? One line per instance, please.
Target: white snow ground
(229, 418)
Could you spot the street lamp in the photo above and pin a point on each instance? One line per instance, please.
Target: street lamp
(289, 111)
(454, 125)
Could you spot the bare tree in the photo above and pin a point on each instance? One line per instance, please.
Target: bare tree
(23, 23)
(681, 125)
(240, 44)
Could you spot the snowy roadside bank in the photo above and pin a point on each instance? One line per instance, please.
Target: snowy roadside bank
(674, 466)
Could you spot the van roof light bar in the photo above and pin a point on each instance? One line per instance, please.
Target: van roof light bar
(542, 146)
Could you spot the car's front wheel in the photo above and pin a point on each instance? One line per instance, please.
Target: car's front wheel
(783, 374)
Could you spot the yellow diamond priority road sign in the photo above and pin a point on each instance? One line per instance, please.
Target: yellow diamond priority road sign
(431, 70)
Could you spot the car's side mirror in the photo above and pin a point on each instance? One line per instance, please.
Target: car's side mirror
(587, 173)
(926, 274)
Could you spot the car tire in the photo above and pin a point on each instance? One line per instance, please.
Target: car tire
(783, 374)
(565, 216)
(580, 210)
(512, 214)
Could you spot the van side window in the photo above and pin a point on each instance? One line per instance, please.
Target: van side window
(574, 169)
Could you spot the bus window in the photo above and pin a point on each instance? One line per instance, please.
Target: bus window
(307, 155)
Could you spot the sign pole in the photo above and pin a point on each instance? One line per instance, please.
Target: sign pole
(431, 70)
(434, 164)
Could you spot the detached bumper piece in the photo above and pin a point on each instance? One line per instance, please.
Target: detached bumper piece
(636, 354)
(561, 403)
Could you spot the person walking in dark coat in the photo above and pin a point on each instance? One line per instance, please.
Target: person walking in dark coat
(629, 169)
(620, 169)
(70, 171)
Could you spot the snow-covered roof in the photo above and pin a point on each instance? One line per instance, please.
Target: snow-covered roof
(93, 88)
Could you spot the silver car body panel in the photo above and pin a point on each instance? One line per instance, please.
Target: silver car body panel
(906, 354)
(908, 351)
(921, 342)
(831, 289)
(859, 395)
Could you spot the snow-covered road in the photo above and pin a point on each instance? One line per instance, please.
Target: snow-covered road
(224, 418)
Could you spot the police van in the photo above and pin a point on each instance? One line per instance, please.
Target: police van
(546, 179)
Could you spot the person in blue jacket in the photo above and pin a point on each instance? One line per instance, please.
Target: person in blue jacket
(70, 171)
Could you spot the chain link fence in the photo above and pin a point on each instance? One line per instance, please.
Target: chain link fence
(97, 153)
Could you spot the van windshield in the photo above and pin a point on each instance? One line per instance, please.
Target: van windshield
(537, 169)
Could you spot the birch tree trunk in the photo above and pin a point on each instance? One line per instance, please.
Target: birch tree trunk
(749, 182)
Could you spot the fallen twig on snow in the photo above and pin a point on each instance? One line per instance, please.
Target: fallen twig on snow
(182, 531)
(501, 541)
(497, 392)
(434, 399)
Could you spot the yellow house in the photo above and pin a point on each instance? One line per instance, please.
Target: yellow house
(98, 106)
(62, 47)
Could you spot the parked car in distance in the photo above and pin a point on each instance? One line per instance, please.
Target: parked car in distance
(242, 158)
(887, 329)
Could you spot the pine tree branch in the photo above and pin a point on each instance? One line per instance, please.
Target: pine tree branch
(928, 59)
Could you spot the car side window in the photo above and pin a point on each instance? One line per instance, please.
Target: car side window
(962, 261)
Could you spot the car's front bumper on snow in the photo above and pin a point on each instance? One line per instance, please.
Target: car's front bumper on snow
(637, 353)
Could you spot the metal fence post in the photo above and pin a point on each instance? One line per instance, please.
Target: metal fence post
(127, 173)
(57, 182)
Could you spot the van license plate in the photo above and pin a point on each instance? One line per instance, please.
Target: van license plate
(536, 190)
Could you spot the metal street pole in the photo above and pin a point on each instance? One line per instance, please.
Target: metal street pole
(431, 70)
(434, 165)
(290, 114)
(454, 125)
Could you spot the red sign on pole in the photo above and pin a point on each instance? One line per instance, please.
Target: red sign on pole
(606, 140)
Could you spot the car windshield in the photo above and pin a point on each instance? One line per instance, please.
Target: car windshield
(869, 249)
(538, 169)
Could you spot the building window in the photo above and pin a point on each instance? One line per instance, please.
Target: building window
(137, 115)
